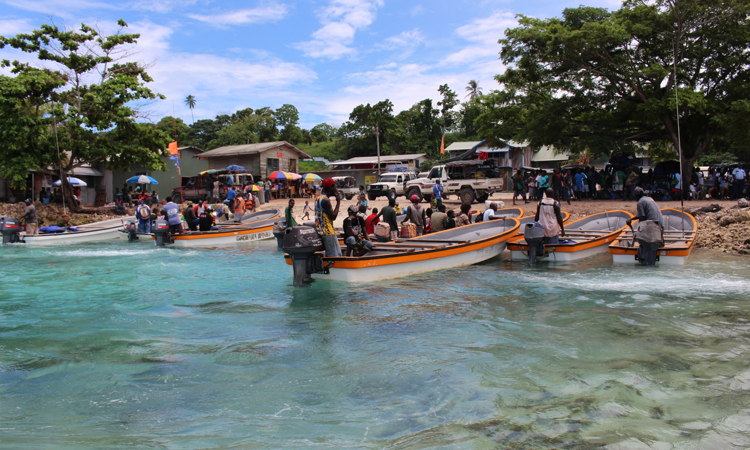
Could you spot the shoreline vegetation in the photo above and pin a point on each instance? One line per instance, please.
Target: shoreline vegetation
(723, 225)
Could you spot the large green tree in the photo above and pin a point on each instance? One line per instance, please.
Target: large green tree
(85, 97)
(599, 81)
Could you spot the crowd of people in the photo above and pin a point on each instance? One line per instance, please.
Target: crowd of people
(620, 183)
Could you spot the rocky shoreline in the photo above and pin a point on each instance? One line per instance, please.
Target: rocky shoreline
(725, 230)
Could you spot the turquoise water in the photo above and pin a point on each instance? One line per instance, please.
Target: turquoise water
(122, 346)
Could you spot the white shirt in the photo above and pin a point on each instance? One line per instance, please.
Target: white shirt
(739, 173)
(487, 214)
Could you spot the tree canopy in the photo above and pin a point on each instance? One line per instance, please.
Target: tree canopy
(599, 81)
(87, 100)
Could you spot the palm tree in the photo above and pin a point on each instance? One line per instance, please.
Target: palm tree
(190, 102)
(473, 90)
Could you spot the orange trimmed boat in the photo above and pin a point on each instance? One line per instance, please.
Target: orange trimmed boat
(456, 247)
(231, 234)
(583, 238)
(680, 231)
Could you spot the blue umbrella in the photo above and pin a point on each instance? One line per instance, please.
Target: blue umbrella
(73, 182)
(141, 179)
(235, 168)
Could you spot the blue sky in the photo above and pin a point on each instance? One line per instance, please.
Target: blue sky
(325, 57)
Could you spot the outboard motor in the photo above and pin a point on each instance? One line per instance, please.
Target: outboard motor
(11, 229)
(161, 233)
(301, 243)
(279, 229)
(132, 231)
(649, 240)
(533, 233)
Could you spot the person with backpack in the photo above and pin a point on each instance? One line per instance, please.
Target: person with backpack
(144, 217)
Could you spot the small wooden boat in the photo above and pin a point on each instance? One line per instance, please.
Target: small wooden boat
(583, 238)
(680, 231)
(90, 232)
(456, 247)
(229, 234)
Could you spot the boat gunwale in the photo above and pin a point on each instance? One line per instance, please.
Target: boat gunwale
(465, 247)
(516, 245)
(615, 248)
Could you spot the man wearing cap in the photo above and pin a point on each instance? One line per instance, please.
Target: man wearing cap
(325, 214)
(30, 215)
(416, 215)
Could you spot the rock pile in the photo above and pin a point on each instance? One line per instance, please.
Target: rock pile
(728, 230)
(52, 214)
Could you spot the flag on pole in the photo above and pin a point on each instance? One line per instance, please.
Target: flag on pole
(442, 146)
(173, 148)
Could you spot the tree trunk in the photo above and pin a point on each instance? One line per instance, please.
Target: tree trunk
(70, 202)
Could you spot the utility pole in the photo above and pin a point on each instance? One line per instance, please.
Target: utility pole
(376, 129)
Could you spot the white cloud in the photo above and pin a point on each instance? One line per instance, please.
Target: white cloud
(483, 35)
(12, 27)
(162, 6)
(266, 13)
(340, 19)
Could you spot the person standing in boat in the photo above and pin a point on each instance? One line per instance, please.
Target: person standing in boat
(389, 216)
(239, 208)
(172, 212)
(144, 217)
(29, 215)
(549, 216)
(416, 215)
(325, 215)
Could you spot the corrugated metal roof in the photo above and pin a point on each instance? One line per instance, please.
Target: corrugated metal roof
(374, 159)
(249, 149)
(547, 153)
(459, 146)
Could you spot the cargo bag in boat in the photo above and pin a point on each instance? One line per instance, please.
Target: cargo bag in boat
(383, 230)
(408, 230)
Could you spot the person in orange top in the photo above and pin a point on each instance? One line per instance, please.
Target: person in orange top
(239, 208)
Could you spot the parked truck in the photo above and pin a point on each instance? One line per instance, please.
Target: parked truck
(391, 184)
(472, 180)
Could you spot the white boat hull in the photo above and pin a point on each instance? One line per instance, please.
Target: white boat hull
(41, 240)
(235, 238)
(663, 259)
(517, 255)
(385, 272)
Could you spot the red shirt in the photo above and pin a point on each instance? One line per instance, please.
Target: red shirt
(370, 223)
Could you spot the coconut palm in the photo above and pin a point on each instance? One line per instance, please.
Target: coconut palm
(473, 90)
(190, 102)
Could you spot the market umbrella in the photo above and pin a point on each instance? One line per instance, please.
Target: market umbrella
(280, 175)
(73, 182)
(312, 178)
(141, 179)
(252, 187)
(235, 168)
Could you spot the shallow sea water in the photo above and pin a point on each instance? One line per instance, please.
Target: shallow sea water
(123, 346)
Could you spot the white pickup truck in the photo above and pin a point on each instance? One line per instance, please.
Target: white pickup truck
(390, 184)
(473, 180)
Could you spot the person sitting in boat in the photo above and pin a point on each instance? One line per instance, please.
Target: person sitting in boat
(439, 220)
(206, 219)
(388, 213)
(451, 222)
(356, 239)
(325, 215)
(222, 212)
(172, 213)
(289, 215)
(416, 215)
(489, 213)
(191, 218)
(549, 216)
(463, 218)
